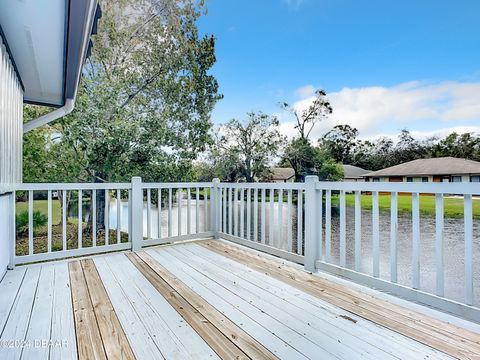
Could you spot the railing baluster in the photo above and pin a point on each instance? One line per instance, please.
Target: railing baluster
(235, 211)
(159, 213)
(189, 229)
(393, 236)
(49, 216)
(179, 210)
(263, 217)
(415, 241)
(230, 211)
(270, 217)
(224, 199)
(205, 208)
(343, 257)
(328, 226)
(439, 245)
(80, 219)
(64, 220)
(467, 215)
(358, 231)
(280, 243)
(30, 222)
(197, 210)
(249, 214)
(242, 213)
(255, 215)
(119, 195)
(375, 234)
(106, 219)
(300, 222)
(149, 213)
(319, 224)
(289, 222)
(170, 222)
(94, 218)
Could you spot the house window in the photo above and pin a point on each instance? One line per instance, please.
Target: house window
(475, 178)
(376, 179)
(409, 179)
(456, 179)
(425, 179)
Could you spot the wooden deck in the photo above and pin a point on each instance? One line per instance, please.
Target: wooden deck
(208, 300)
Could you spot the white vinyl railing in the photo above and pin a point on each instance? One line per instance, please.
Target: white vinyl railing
(321, 225)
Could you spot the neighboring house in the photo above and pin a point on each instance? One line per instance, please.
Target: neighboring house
(43, 45)
(281, 175)
(354, 173)
(446, 169)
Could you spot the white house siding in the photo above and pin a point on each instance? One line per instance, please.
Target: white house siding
(11, 133)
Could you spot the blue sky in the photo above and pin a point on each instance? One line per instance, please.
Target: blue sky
(385, 64)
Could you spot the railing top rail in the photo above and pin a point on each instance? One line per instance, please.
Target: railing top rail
(73, 186)
(175, 185)
(438, 188)
(281, 186)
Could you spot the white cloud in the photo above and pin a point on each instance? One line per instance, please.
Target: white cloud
(376, 109)
(305, 92)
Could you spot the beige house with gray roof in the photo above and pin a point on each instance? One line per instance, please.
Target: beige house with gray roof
(446, 169)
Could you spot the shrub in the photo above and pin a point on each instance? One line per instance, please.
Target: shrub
(21, 221)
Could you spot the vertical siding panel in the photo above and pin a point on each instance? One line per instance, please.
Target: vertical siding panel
(11, 124)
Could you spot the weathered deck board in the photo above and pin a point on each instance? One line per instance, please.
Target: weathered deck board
(39, 327)
(63, 328)
(248, 344)
(321, 335)
(89, 340)
(342, 328)
(364, 330)
(450, 339)
(209, 299)
(141, 341)
(19, 318)
(114, 340)
(276, 337)
(214, 338)
(172, 335)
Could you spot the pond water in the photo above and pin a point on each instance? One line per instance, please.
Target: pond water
(453, 241)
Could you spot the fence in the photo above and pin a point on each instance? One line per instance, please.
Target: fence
(289, 220)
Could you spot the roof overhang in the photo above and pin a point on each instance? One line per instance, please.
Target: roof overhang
(48, 41)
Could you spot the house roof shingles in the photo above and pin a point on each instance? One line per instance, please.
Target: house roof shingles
(281, 173)
(354, 172)
(435, 166)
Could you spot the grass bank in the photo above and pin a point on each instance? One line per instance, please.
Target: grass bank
(453, 207)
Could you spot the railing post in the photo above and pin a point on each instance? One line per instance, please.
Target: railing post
(13, 231)
(136, 212)
(311, 220)
(214, 207)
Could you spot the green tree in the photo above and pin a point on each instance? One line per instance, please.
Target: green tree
(340, 143)
(247, 147)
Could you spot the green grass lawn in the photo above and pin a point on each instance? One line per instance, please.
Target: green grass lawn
(42, 206)
(453, 207)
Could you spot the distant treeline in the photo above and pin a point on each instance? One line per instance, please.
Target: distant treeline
(343, 145)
